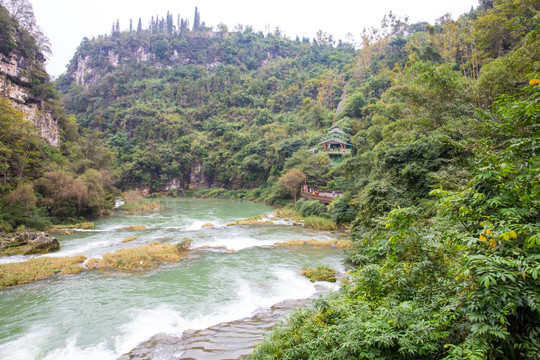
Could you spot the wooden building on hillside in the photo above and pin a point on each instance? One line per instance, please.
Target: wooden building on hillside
(336, 144)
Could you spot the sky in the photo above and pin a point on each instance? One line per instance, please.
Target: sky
(67, 22)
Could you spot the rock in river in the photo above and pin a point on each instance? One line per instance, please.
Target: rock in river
(27, 242)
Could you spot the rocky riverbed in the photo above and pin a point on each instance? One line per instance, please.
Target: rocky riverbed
(27, 243)
(229, 340)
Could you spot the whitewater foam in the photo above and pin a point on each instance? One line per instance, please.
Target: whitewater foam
(147, 322)
(72, 351)
(27, 346)
(235, 243)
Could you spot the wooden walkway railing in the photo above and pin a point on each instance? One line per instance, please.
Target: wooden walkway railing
(327, 199)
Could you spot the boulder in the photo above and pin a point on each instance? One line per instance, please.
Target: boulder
(27, 243)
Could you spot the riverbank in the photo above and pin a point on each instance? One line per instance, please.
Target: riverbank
(231, 273)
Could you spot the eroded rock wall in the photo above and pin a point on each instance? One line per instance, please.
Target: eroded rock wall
(15, 85)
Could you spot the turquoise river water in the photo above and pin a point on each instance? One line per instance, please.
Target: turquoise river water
(102, 315)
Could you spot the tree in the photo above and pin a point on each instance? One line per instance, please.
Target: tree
(196, 20)
(19, 146)
(500, 216)
(139, 26)
(23, 12)
(62, 195)
(354, 105)
(170, 23)
(292, 180)
(223, 30)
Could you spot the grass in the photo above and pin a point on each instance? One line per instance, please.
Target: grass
(39, 268)
(139, 257)
(144, 205)
(315, 222)
(134, 228)
(288, 213)
(62, 227)
(320, 273)
(340, 244)
(207, 225)
(134, 202)
(320, 223)
(129, 239)
(256, 220)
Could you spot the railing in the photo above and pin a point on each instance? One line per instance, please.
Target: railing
(336, 151)
(324, 198)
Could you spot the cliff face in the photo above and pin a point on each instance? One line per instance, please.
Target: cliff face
(98, 57)
(23, 79)
(15, 85)
(87, 69)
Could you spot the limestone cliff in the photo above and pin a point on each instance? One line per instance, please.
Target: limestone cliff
(23, 79)
(95, 58)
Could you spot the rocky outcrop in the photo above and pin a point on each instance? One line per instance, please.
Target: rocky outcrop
(230, 340)
(196, 177)
(16, 85)
(26, 243)
(82, 72)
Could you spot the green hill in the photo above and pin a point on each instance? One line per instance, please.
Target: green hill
(204, 108)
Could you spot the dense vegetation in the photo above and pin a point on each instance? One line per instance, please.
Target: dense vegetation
(441, 192)
(41, 184)
(445, 189)
(227, 107)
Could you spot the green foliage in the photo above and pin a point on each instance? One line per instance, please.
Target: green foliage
(500, 215)
(457, 278)
(320, 273)
(393, 306)
(320, 223)
(354, 105)
(311, 207)
(233, 110)
(40, 183)
(7, 30)
(341, 211)
(292, 180)
(465, 286)
(507, 75)
(20, 147)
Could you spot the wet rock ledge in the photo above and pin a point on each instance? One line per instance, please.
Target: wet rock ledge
(233, 340)
(27, 243)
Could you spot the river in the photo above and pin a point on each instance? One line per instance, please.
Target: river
(233, 273)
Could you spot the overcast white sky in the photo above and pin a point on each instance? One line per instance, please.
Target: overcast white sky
(66, 22)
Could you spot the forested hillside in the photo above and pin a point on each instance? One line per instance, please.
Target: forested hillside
(443, 197)
(205, 108)
(39, 183)
(441, 191)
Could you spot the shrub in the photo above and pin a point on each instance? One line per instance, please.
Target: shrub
(340, 211)
(139, 257)
(185, 244)
(311, 208)
(320, 273)
(320, 223)
(287, 213)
